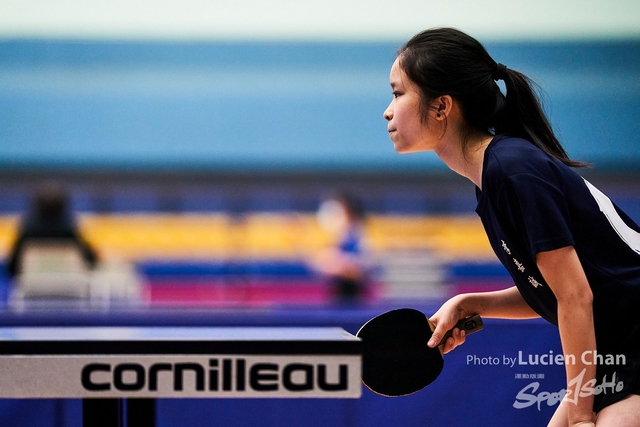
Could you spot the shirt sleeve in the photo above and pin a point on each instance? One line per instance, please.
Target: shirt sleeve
(537, 209)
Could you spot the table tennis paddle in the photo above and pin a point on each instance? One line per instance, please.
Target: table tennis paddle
(396, 360)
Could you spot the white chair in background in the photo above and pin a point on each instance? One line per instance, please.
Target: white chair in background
(54, 269)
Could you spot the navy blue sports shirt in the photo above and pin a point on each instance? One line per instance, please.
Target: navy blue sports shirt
(530, 203)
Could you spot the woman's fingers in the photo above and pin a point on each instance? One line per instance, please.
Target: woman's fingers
(457, 338)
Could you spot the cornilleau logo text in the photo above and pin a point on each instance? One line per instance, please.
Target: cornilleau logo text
(220, 375)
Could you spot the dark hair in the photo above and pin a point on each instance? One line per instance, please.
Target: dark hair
(352, 204)
(51, 201)
(446, 61)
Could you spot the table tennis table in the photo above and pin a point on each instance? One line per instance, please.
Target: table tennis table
(118, 372)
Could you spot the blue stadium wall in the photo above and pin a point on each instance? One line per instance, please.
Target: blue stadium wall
(144, 106)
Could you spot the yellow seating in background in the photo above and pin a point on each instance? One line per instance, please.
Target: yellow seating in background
(448, 237)
(8, 232)
(135, 237)
(138, 236)
(279, 236)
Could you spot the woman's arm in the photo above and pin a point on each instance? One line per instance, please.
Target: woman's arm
(565, 276)
(506, 304)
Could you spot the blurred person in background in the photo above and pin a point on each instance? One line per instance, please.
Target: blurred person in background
(49, 218)
(346, 263)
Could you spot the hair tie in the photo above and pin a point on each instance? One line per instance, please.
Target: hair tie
(500, 72)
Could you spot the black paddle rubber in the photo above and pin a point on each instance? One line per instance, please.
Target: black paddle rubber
(396, 360)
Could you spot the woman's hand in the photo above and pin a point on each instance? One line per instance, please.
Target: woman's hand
(445, 319)
(505, 304)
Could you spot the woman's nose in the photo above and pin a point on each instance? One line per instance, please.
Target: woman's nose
(388, 113)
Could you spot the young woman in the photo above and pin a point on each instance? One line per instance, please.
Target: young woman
(573, 255)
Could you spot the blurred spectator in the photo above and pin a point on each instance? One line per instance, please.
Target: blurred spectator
(345, 264)
(49, 218)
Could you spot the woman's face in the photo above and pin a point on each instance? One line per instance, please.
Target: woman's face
(333, 217)
(407, 127)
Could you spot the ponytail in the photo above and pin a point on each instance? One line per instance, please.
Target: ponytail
(524, 117)
(445, 61)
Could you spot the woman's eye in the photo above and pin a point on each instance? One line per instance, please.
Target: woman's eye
(396, 94)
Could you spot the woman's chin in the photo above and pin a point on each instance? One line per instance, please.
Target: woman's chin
(403, 149)
(400, 149)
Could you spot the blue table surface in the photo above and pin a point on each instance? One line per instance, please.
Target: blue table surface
(464, 377)
(184, 333)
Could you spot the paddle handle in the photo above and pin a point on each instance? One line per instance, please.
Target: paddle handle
(469, 325)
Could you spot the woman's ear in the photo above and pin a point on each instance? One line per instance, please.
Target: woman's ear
(442, 106)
